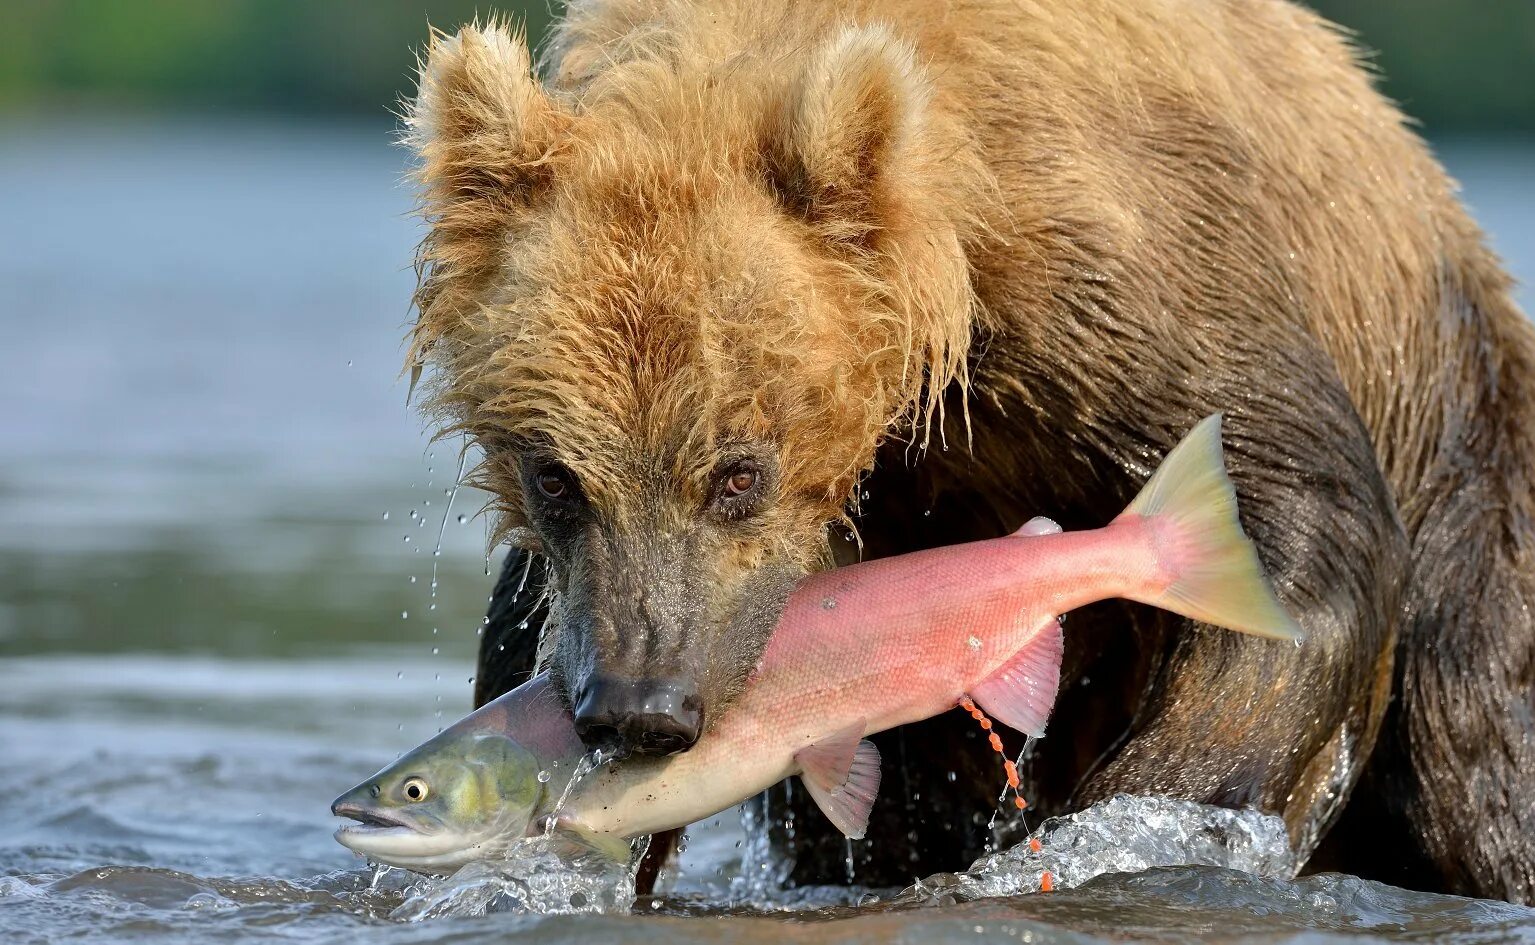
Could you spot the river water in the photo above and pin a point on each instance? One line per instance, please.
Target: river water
(217, 605)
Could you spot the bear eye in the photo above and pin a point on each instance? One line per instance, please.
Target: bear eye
(552, 486)
(740, 482)
(738, 488)
(554, 482)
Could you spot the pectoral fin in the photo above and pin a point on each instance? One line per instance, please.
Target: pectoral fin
(572, 841)
(1022, 692)
(842, 774)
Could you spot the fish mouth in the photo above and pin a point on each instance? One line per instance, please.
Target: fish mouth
(369, 819)
(393, 840)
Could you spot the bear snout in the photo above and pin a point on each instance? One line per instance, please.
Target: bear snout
(655, 716)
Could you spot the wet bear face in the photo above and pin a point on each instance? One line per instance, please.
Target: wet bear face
(676, 313)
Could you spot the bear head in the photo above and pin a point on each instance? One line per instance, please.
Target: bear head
(678, 297)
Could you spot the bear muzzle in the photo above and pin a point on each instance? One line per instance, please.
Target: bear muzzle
(647, 716)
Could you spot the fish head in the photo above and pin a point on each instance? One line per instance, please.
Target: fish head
(461, 796)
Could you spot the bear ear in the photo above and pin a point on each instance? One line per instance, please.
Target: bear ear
(481, 124)
(485, 133)
(840, 143)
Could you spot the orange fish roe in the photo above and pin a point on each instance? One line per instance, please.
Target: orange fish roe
(1034, 844)
(995, 741)
(1046, 881)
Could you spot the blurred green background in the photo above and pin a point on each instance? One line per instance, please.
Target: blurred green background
(1458, 67)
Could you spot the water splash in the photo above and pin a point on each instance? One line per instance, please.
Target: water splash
(764, 873)
(532, 878)
(585, 765)
(1124, 834)
(452, 494)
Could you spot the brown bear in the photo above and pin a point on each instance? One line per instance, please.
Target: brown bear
(739, 290)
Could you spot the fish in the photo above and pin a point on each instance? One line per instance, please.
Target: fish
(858, 650)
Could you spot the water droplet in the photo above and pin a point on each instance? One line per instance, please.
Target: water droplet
(349, 364)
(413, 514)
(543, 777)
(386, 516)
(407, 538)
(412, 579)
(462, 519)
(404, 615)
(953, 776)
(400, 674)
(435, 651)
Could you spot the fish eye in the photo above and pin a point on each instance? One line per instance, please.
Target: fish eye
(416, 789)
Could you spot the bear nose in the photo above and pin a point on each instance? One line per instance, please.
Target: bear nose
(639, 716)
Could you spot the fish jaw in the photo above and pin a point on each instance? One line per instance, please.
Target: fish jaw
(394, 840)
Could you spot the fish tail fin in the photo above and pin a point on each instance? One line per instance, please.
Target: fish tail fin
(1216, 575)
